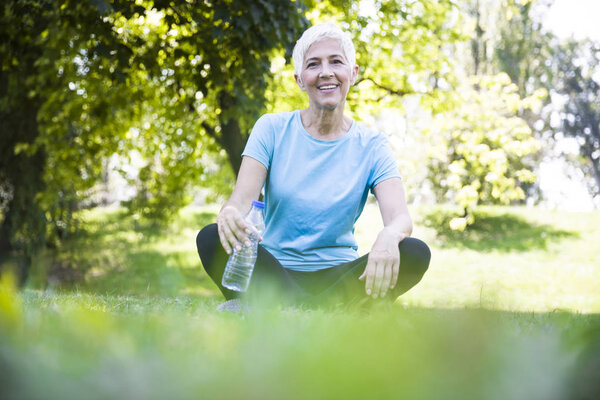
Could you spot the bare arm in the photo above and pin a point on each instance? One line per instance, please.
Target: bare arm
(232, 227)
(381, 272)
(391, 199)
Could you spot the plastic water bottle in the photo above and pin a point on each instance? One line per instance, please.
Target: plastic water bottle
(241, 262)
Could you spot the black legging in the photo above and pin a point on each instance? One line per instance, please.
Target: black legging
(339, 283)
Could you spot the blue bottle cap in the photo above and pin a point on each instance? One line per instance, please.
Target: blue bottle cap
(258, 204)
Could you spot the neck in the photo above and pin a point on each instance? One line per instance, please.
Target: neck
(325, 124)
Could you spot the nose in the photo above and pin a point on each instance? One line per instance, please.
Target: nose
(325, 71)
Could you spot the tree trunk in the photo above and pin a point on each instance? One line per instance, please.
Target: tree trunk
(23, 228)
(477, 41)
(231, 139)
(596, 170)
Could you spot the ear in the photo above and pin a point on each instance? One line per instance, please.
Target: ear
(354, 75)
(299, 81)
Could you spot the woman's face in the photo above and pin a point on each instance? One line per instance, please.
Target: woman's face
(326, 74)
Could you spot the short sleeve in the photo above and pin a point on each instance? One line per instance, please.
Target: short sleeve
(383, 163)
(260, 142)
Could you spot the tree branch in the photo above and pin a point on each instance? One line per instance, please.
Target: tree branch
(395, 92)
(211, 132)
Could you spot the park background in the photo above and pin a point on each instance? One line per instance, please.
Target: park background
(122, 124)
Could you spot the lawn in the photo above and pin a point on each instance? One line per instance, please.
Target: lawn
(508, 310)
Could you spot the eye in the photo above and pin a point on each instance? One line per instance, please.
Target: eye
(311, 65)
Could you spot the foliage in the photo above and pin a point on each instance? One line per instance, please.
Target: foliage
(508, 36)
(480, 151)
(524, 47)
(199, 71)
(212, 60)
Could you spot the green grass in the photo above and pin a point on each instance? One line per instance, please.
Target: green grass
(512, 259)
(508, 310)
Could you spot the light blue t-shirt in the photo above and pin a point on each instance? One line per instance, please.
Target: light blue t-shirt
(315, 190)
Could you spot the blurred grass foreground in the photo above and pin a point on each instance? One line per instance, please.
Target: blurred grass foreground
(509, 310)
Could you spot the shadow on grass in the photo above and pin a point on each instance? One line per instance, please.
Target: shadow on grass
(115, 252)
(494, 231)
(149, 272)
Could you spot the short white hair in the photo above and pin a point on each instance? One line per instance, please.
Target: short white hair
(317, 33)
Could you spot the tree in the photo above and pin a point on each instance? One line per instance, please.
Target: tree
(577, 90)
(508, 36)
(524, 47)
(39, 42)
(205, 91)
(81, 81)
(480, 152)
(537, 59)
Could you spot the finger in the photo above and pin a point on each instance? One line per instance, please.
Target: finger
(395, 272)
(379, 272)
(223, 239)
(363, 276)
(231, 228)
(241, 231)
(387, 279)
(233, 241)
(369, 279)
(231, 236)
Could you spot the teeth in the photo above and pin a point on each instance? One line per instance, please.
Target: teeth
(327, 87)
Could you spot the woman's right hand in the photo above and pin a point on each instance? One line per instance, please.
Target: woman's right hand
(232, 226)
(233, 229)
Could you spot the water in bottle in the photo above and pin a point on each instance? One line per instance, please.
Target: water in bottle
(241, 262)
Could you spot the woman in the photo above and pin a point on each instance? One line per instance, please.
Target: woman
(317, 167)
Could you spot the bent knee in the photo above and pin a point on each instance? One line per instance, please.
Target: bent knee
(206, 236)
(415, 254)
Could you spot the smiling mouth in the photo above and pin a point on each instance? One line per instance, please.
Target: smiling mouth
(327, 87)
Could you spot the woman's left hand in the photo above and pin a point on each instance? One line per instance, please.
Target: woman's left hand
(381, 273)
